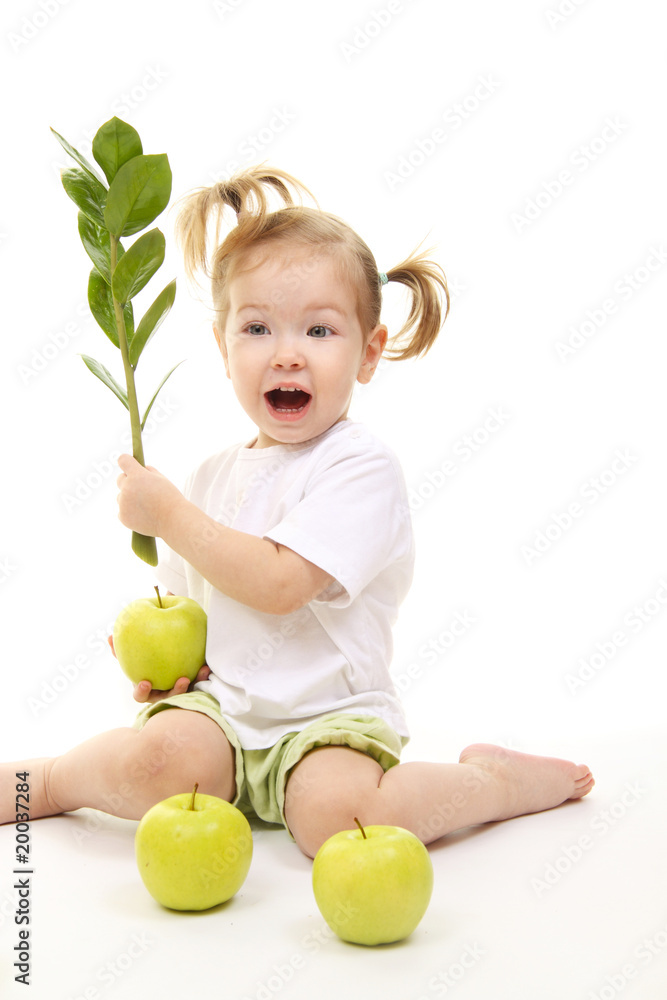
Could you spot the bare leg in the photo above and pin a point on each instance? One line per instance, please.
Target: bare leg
(126, 771)
(332, 785)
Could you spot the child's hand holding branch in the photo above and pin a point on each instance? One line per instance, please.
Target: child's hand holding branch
(145, 498)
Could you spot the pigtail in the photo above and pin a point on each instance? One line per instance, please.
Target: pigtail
(246, 194)
(427, 285)
(201, 216)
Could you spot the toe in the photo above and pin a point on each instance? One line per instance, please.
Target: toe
(583, 784)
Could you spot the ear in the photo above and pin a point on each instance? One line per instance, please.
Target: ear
(372, 353)
(220, 340)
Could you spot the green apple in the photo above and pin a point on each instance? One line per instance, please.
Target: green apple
(193, 851)
(373, 885)
(160, 639)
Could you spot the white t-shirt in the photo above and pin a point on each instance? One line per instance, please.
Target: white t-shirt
(338, 500)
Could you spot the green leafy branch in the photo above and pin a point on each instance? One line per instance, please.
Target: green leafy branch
(137, 190)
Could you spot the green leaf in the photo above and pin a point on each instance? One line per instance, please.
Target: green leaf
(151, 321)
(115, 143)
(138, 265)
(96, 242)
(81, 160)
(100, 301)
(148, 408)
(87, 194)
(139, 192)
(104, 375)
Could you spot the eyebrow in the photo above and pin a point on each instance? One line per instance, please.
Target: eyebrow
(266, 306)
(334, 309)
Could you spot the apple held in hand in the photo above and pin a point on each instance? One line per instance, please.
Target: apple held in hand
(160, 639)
(193, 851)
(373, 885)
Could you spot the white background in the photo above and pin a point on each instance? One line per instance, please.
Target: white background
(527, 147)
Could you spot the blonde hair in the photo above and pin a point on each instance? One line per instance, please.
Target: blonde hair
(296, 225)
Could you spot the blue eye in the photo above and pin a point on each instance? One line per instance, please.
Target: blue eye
(319, 332)
(256, 329)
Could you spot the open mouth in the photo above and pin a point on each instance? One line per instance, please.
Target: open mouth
(287, 402)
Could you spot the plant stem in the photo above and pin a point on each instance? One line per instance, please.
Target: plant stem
(159, 599)
(142, 545)
(192, 800)
(363, 832)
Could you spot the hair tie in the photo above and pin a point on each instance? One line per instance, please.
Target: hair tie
(383, 278)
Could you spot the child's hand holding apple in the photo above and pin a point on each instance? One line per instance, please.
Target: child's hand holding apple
(145, 692)
(160, 643)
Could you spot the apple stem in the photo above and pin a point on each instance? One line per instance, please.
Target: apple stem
(159, 599)
(363, 832)
(192, 800)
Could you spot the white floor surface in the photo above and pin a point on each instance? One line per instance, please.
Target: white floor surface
(567, 903)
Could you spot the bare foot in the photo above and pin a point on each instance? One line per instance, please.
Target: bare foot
(531, 783)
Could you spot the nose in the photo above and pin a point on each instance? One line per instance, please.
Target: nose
(287, 352)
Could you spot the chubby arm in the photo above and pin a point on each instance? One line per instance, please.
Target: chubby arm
(251, 570)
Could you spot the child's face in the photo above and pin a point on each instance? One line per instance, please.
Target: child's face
(293, 346)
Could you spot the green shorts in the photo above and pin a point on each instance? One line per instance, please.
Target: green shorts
(261, 775)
